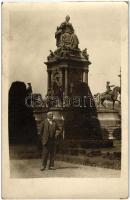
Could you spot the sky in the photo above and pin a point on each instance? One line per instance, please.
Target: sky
(32, 34)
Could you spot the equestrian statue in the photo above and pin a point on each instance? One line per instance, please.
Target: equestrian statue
(109, 95)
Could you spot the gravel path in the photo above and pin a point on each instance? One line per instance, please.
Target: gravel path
(31, 169)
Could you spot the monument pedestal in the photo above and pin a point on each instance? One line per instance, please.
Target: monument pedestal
(110, 123)
(81, 131)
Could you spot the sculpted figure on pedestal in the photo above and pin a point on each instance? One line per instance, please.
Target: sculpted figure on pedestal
(65, 37)
(51, 55)
(57, 84)
(85, 54)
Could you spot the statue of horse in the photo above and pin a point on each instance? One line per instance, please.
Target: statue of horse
(111, 96)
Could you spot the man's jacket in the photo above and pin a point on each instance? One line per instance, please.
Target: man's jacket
(45, 131)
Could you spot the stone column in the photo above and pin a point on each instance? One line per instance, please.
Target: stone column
(66, 82)
(85, 76)
(82, 76)
(49, 79)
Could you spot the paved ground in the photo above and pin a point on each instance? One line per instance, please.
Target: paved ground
(31, 169)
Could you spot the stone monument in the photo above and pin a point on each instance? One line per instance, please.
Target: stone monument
(67, 69)
(67, 64)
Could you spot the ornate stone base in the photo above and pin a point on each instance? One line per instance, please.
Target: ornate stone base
(82, 130)
(77, 123)
(110, 123)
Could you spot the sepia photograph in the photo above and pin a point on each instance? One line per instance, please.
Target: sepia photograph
(65, 96)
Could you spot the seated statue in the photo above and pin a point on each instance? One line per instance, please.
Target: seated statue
(65, 37)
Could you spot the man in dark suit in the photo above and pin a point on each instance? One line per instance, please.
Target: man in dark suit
(49, 134)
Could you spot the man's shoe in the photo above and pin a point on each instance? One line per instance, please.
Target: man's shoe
(42, 169)
(52, 168)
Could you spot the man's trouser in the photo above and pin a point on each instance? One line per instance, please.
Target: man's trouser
(49, 150)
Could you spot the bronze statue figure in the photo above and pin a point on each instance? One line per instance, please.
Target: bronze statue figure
(85, 54)
(65, 37)
(108, 88)
(111, 95)
(29, 89)
(51, 55)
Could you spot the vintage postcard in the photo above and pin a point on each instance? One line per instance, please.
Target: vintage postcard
(65, 100)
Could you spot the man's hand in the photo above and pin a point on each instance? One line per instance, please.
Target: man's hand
(57, 134)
